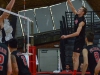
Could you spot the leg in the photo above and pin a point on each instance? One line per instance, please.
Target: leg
(96, 71)
(78, 47)
(75, 60)
(76, 54)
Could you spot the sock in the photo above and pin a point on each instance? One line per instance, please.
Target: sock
(74, 72)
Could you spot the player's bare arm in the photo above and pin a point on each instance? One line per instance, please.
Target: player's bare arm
(81, 24)
(8, 7)
(14, 65)
(85, 59)
(9, 70)
(72, 7)
(97, 68)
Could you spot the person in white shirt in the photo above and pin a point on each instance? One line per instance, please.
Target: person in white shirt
(26, 55)
(5, 27)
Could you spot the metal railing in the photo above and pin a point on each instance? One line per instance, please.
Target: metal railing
(92, 20)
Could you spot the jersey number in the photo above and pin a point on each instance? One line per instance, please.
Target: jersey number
(24, 60)
(1, 62)
(96, 55)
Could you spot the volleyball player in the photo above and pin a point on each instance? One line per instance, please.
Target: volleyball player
(5, 27)
(79, 34)
(5, 60)
(91, 55)
(19, 63)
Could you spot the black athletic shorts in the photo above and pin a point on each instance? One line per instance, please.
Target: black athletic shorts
(78, 46)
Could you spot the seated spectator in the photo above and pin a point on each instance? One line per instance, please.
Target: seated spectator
(80, 68)
(67, 68)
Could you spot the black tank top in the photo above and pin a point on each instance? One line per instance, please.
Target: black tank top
(93, 56)
(3, 35)
(77, 20)
(3, 59)
(22, 63)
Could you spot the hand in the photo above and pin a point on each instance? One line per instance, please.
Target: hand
(63, 36)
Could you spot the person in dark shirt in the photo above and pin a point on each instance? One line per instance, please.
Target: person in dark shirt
(91, 54)
(67, 68)
(79, 34)
(5, 60)
(19, 63)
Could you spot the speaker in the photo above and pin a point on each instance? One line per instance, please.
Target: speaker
(48, 59)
